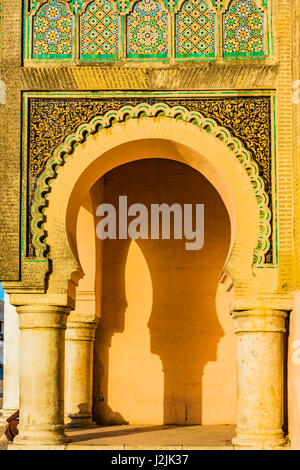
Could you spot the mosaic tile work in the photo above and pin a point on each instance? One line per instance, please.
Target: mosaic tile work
(52, 31)
(76, 6)
(248, 119)
(99, 31)
(218, 4)
(243, 30)
(108, 30)
(195, 30)
(147, 31)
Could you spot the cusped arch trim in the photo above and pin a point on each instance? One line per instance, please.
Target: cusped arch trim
(113, 117)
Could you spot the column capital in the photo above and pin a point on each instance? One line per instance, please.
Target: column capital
(42, 316)
(259, 320)
(81, 330)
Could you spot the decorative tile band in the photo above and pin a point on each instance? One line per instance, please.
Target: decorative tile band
(106, 30)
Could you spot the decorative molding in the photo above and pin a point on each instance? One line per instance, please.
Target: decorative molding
(113, 116)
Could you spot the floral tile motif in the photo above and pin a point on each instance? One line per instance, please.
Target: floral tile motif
(147, 30)
(195, 30)
(52, 31)
(76, 6)
(243, 30)
(99, 31)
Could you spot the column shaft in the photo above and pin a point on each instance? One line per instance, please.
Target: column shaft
(260, 377)
(42, 354)
(79, 373)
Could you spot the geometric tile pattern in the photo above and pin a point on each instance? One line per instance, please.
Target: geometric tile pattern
(52, 31)
(195, 30)
(147, 30)
(102, 27)
(243, 30)
(99, 31)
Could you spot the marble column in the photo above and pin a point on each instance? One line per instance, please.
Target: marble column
(11, 361)
(80, 336)
(42, 361)
(260, 359)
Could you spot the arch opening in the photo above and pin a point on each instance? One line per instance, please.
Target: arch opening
(140, 150)
(169, 139)
(165, 340)
(137, 140)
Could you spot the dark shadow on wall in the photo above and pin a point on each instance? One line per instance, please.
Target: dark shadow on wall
(183, 324)
(112, 321)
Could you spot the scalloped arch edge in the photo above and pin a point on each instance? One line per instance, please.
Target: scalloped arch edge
(142, 110)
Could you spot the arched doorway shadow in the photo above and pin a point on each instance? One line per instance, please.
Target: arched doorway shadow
(159, 301)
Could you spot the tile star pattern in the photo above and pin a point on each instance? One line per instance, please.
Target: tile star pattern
(99, 31)
(52, 31)
(147, 30)
(243, 30)
(104, 26)
(195, 30)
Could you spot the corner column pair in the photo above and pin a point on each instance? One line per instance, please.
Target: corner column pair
(42, 375)
(260, 361)
(42, 365)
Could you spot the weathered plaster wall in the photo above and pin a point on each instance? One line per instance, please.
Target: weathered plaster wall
(10, 144)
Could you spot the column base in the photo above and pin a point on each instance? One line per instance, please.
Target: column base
(260, 439)
(6, 413)
(79, 421)
(41, 435)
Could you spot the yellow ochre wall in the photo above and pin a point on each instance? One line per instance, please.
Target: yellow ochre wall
(165, 347)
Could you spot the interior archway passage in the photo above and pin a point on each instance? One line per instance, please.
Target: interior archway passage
(165, 338)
